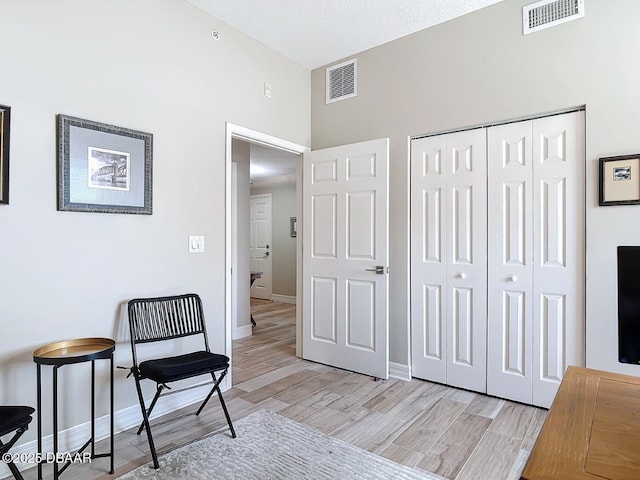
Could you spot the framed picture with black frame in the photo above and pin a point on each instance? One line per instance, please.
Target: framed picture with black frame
(620, 180)
(5, 127)
(103, 168)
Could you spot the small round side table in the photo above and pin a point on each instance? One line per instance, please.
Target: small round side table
(68, 352)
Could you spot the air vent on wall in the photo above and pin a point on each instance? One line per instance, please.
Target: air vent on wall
(547, 13)
(341, 81)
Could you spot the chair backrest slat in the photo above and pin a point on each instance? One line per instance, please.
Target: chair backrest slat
(164, 318)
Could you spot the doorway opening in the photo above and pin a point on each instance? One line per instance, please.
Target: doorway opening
(262, 166)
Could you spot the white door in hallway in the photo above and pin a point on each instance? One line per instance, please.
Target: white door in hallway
(260, 246)
(345, 257)
(449, 259)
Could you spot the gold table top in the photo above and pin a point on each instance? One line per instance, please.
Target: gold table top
(74, 351)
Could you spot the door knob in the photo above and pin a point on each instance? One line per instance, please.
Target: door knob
(462, 275)
(512, 278)
(266, 254)
(379, 269)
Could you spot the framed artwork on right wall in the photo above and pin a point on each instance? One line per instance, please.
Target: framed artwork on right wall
(620, 180)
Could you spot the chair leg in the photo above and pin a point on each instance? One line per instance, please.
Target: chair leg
(226, 412)
(14, 470)
(12, 466)
(216, 388)
(213, 389)
(145, 421)
(153, 404)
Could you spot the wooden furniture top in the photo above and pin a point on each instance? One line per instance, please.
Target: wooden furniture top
(592, 430)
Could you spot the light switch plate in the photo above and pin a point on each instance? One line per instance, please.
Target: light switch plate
(196, 243)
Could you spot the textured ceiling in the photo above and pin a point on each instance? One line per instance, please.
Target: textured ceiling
(317, 32)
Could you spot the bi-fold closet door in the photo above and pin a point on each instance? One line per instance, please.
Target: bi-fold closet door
(449, 258)
(536, 256)
(512, 326)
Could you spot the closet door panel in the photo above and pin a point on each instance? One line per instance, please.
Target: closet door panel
(514, 330)
(428, 259)
(448, 259)
(510, 269)
(467, 260)
(558, 248)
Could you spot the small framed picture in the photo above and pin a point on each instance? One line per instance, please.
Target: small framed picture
(5, 122)
(620, 180)
(103, 168)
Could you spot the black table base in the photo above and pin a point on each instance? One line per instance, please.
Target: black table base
(58, 355)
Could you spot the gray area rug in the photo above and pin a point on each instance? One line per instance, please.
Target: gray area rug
(270, 446)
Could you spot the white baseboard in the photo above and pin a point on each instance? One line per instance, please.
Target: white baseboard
(400, 371)
(241, 332)
(71, 439)
(284, 298)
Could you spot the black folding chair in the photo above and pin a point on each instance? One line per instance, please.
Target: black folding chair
(13, 419)
(167, 318)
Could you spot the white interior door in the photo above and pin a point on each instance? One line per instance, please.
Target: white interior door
(448, 259)
(536, 256)
(345, 257)
(260, 244)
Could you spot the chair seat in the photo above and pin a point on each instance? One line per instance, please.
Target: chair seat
(170, 369)
(13, 417)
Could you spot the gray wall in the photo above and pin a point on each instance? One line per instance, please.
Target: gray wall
(283, 206)
(479, 69)
(150, 65)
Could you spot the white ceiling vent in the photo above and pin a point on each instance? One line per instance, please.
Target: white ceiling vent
(341, 81)
(548, 13)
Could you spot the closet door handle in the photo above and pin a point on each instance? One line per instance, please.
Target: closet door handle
(461, 275)
(512, 278)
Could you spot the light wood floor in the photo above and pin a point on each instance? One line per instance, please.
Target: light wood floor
(456, 434)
